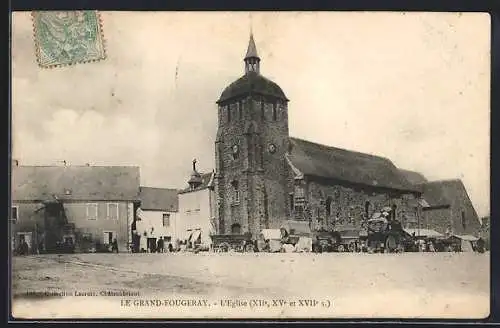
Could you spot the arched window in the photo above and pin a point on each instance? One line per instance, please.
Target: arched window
(236, 229)
(236, 192)
(275, 114)
(262, 110)
(240, 110)
(328, 206)
(367, 209)
(464, 223)
(229, 113)
(235, 151)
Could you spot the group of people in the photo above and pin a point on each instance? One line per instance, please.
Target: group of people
(159, 246)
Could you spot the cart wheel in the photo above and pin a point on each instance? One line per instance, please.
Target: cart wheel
(401, 248)
(224, 247)
(249, 248)
(390, 244)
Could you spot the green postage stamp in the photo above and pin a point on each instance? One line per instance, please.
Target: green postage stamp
(68, 37)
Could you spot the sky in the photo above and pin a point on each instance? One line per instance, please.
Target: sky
(412, 87)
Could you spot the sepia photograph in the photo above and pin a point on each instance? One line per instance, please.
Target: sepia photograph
(250, 165)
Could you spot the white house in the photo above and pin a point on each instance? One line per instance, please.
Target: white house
(197, 209)
(157, 216)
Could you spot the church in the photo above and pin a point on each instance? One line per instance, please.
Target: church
(264, 176)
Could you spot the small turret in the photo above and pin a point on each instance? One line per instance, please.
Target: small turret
(195, 181)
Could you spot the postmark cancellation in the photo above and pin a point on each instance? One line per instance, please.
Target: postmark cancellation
(68, 37)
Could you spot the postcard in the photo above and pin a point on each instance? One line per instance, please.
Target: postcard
(255, 165)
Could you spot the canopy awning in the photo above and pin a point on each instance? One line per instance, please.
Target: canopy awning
(377, 219)
(466, 237)
(349, 233)
(418, 202)
(423, 203)
(271, 234)
(423, 233)
(295, 227)
(194, 235)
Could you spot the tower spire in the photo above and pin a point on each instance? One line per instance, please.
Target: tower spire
(252, 49)
(252, 60)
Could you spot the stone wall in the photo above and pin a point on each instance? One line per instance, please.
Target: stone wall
(347, 205)
(257, 170)
(439, 219)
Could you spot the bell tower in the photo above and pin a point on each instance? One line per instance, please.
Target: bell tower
(252, 178)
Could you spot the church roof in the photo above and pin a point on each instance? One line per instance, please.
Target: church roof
(443, 192)
(448, 193)
(252, 83)
(322, 161)
(413, 177)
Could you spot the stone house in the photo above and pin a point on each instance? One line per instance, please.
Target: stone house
(83, 205)
(197, 216)
(158, 216)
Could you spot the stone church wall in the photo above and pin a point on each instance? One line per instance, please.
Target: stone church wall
(261, 176)
(347, 205)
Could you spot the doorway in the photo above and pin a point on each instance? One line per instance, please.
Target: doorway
(109, 236)
(152, 245)
(22, 237)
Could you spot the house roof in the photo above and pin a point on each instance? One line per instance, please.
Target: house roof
(207, 180)
(41, 183)
(413, 177)
(340, 164)
(159, 199)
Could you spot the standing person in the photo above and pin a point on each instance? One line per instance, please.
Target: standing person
(170, 248)
(23, 247)
(114, 246)
(159, 246)
(480, 245)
